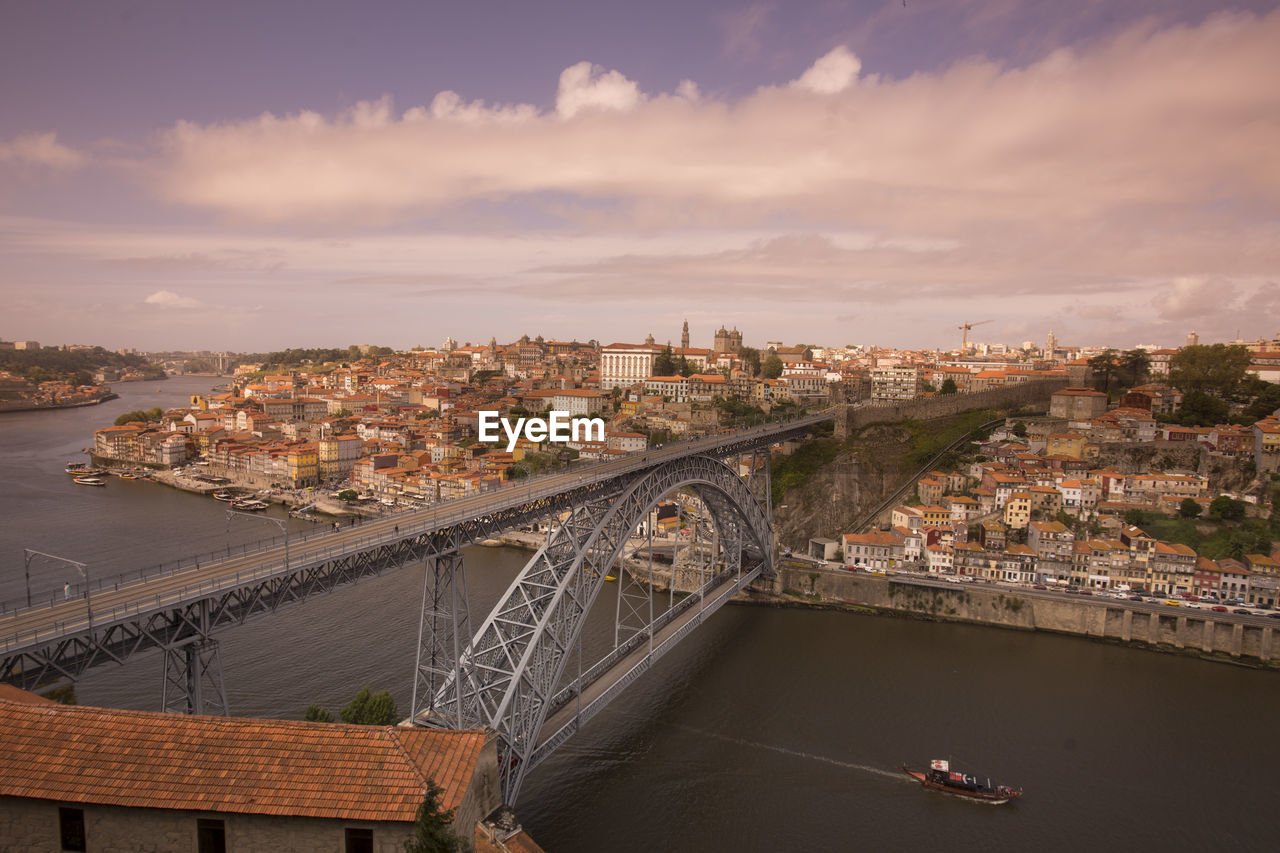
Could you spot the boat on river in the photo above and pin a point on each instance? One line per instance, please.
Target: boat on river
(250, 504)
(940, 777)
(81, 469)
(90, 481)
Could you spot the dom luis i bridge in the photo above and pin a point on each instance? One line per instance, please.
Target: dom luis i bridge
(520, 672)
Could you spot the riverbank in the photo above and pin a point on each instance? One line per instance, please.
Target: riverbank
(292, 498)
(1203, 634)
(14, 406)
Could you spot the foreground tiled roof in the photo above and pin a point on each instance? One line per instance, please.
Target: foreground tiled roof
(143, 759)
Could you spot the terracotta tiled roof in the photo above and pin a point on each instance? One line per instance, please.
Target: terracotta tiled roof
(144, 759)
(9, 693)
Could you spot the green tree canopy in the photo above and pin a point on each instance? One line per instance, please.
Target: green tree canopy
(431, 830)
(1104, 366)
(1201, 409)
(140, 415)
(1189, 508)
(1135, 517)
(772, 367)
(1215, 368)
(948, 386)
(664, 364)
(750, 359)
(371, 709)
(1134, 364)
(1226, 508)
(317, 714)
(1266, 398)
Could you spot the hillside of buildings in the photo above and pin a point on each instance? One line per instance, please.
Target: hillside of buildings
(35, 377)
(405, 428)
(1091, 496)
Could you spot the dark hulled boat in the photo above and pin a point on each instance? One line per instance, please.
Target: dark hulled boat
(941, 777)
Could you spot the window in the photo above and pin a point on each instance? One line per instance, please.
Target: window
(359, 840)
(211, 836)
(71, 828)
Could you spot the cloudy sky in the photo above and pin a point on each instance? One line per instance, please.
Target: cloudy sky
(256, 175)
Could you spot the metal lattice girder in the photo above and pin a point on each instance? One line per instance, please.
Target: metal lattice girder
(193, 679)
(443, 631)
(518, 655)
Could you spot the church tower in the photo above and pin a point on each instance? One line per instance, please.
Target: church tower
(684, 336)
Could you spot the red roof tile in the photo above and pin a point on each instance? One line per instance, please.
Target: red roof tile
(144, 759)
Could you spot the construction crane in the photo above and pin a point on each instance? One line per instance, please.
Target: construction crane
(964, 340)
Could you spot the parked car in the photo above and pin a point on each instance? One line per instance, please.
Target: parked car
(1274, 614)
(1218, 608)
(1240, 611)
(1136, 598)
(1039, 586)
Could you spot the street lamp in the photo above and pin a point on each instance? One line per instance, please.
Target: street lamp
(83, 568)
(283, 525)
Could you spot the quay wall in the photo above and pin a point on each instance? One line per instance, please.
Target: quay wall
(1033, 393)
(1200, 632)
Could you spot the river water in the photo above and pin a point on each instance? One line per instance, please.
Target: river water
(764, 730)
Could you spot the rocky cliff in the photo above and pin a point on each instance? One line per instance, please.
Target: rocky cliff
(847, 479)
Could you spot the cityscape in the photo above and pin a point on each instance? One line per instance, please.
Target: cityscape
(697, 446)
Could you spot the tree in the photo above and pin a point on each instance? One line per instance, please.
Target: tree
(431, 828)
(348, 495)
(772, 367)
(317, 714)
(1134, 364)
(1226, 508)
(948, 386)
(1135, 517)
(751, 359)
(1201, 409)
(371, 709)
(664, 364)
(141, 416)
(684, 367)
(1189, 508)
(1217, 369)
(1266, 399)
(64, 695)
(1104, 366)
(1019, 429)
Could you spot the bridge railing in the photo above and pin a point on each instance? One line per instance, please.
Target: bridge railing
(410, 521)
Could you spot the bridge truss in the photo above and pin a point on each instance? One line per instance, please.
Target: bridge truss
(511, 675)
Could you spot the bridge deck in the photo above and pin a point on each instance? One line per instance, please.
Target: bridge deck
(601, 686)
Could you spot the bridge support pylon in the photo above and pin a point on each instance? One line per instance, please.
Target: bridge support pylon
(443, 632)
(193, 679)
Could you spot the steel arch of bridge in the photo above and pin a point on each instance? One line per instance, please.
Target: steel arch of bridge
(506, 677)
